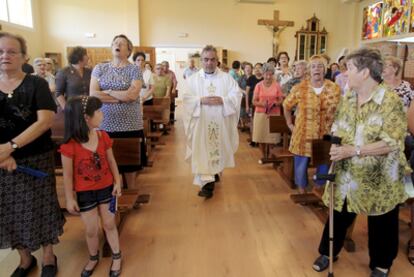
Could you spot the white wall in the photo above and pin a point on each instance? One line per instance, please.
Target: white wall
(234, 26)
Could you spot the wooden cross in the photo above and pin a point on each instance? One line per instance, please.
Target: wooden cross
(275, 25)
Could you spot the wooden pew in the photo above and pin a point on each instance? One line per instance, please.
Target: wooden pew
(281, 158)
(166, 112)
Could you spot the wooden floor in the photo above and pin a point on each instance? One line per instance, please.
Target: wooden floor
(250, 228)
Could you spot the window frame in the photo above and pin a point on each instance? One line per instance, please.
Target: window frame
(8, 22)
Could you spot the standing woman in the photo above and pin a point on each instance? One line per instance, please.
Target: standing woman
(73, 80)
(147, 88)
(118, 85)
(283, 74)
(267, 99)
(30, 216)
(370, 165)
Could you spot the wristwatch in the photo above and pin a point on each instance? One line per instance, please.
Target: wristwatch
(358, 150)
(14, 145)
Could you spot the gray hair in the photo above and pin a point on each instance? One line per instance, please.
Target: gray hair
(268, 67)
(301, 62)
(39, 59)
(209, 48)
(368, 58)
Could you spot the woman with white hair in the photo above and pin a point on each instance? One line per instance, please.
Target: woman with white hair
(40, 70)
(267, 99)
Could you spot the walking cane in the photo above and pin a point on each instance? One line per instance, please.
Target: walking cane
(330, 179)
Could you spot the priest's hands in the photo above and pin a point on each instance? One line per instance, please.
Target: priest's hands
(212, 100)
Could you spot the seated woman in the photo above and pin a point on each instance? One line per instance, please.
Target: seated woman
(267, 99)
(371, 169)
(162, 83)
(117, 84)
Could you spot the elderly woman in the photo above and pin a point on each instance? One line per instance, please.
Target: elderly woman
(299, 74)
(342, 79)
(40, 70)
(244, 116)
(147, 89)
(283, 74)
(50, 66)
(370, 163)
(267, 99)
(315, 101)
(30, 216)
(118, 85)
(73, 80)
(392, 78)
(162, 83)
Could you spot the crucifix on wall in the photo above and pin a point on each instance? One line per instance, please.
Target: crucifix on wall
(276, 26)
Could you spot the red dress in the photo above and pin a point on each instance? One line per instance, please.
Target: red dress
(91, 170)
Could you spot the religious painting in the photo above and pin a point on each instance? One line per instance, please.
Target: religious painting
(412, 16)
(372, 21)
(396, 17)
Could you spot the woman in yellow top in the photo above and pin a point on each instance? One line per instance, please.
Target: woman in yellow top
(370, 164)
(162, 83)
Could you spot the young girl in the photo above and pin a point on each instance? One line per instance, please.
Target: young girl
(89, 169)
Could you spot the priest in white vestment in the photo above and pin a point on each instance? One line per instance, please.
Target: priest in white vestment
(211, 113)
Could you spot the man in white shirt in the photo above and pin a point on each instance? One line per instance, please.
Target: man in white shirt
(190, 70)
(211, 113)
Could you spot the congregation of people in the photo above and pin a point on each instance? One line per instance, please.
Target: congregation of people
(360, 98)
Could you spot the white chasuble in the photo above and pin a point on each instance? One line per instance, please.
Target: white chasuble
(211, 131)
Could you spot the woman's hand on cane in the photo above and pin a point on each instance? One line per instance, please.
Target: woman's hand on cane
(8, 164)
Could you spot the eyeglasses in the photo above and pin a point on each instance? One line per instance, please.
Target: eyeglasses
(97, 160)
(10, 53)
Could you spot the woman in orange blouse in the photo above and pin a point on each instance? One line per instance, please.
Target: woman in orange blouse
(315, 101)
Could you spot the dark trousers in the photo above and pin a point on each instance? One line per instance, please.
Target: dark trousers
(382, 236)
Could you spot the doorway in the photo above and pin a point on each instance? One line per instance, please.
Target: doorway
(178, 58)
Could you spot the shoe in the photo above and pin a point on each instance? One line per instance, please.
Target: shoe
(87, 273)
(410, 248)
(217, 178)
(115, 273)
(322, 263)
(207, 190)
(378, 273)
(260, 161)
(50, 270)
(22, 272)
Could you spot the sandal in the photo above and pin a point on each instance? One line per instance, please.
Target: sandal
(115, 273)
(87, 273)
(410, 248)
(322, 263)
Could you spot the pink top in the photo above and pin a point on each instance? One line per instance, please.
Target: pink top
(272, 95)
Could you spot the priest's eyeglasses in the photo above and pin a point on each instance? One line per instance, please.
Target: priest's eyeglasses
(97, 160)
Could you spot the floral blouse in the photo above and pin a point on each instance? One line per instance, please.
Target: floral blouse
(314, 114)
(405, 93)
(371, 185)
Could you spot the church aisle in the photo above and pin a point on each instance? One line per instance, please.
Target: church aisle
(250, 228)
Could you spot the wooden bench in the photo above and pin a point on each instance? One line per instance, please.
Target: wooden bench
(281, 158)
